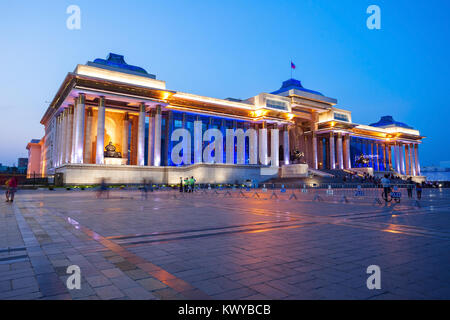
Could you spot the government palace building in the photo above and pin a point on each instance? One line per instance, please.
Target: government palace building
(115, 121)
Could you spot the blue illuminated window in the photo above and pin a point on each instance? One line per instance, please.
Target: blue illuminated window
(274, 104)
(341, 116)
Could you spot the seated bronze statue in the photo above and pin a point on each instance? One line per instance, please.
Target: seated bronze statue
(111, 151)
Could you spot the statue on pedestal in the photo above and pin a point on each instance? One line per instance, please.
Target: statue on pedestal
(110, 151)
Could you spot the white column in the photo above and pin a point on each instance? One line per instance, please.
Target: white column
(402, 159)
(157, 143)
(55, 155)
(79, 131)
(315, 161)
(348, 162)
(141, 136)
(198, 138)
(286, 148)
(411, 160)
(397, 157)
(68, 142)
(53, 144)
(74, 129)
(125, 135)
(275, 147)
(340, 153)
(64, 137)
(314, 127)
(151, 138)
(416, 158)
(88, 138)
(332, 152)
(60, 140)
(58, 137)
(378, 155)
(407, 160)
(263, 145)
(100, 147)
(252, 135)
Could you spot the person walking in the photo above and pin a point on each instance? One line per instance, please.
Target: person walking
(386, 183)
(103, 189)
(7, 190)
(186, 184)
(419, 191)
(11, 188)
(191, 184)
(144, 190)
(409, 188)
(181, 184)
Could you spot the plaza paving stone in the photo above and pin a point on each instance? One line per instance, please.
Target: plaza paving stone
(210, 245)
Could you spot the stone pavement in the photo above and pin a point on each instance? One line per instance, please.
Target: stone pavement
(222, 246)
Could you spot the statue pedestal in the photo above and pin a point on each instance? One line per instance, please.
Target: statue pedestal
(294, 171)
(116, 161)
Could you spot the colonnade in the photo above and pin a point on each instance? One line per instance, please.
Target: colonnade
(403, 157)
(74, 137)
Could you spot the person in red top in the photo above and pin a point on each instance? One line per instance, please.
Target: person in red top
(11, 188)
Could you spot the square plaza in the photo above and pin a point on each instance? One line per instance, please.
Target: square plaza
(223, 244)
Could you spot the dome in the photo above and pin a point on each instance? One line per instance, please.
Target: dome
(388, 121)
(118, 61)
(292, 84)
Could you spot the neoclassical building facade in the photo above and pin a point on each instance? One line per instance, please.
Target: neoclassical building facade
(113, 120)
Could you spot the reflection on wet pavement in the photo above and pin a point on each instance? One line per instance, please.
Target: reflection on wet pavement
(210, 246)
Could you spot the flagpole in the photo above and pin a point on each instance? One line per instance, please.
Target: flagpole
(291, 68)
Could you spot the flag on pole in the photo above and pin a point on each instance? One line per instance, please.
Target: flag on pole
(292, 65)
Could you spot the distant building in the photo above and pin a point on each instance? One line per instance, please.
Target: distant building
(441, 173)
(445, 164)
(34, 165)
(22, 162)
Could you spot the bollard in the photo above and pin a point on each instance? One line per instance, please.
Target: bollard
(304, 190)
(359, 192)
(273, 194)
(293, 196)
(317, 198)
(329, 191)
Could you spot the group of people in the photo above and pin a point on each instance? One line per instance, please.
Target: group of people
(187, 185)
(386, 184)
(365, 178)
(411, 186)
(11, 188)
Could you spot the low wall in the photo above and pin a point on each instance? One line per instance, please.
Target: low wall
(82, 174)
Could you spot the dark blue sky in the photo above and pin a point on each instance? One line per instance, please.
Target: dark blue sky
(236, 49)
